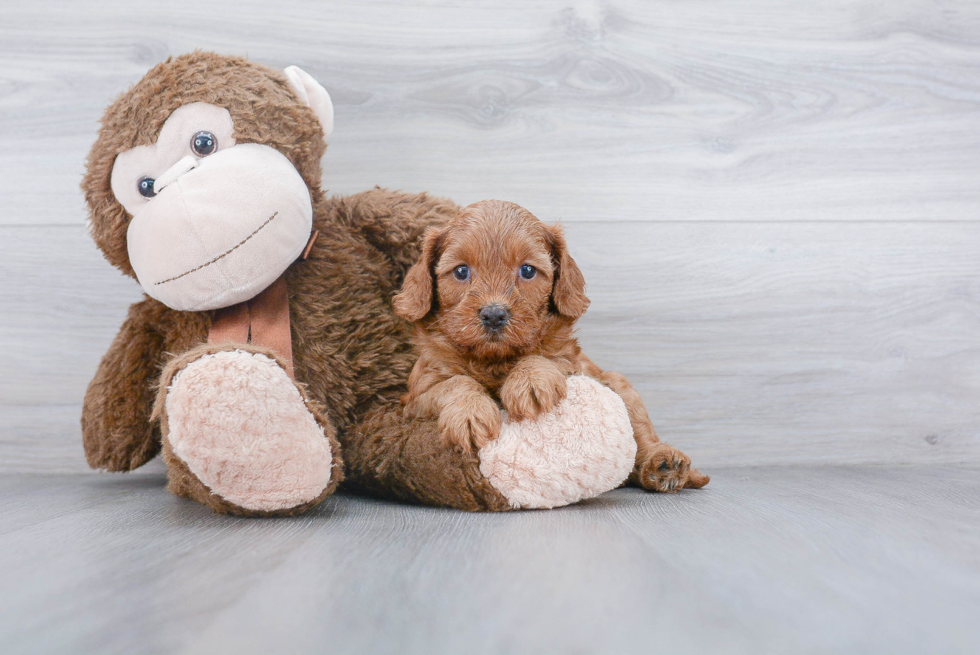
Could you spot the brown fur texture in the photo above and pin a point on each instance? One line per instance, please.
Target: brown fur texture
(495, 297)
(391, 456)
(352, 354)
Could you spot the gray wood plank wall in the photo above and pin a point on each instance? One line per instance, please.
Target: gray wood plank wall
(775, 203)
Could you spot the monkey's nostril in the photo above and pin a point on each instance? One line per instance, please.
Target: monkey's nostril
(494, 316)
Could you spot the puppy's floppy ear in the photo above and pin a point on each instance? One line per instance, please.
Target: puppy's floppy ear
(568, 290)
(414, 301)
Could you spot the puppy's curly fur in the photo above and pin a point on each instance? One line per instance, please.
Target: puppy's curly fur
(494, 298)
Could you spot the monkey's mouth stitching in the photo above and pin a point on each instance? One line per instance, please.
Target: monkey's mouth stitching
(222, 255)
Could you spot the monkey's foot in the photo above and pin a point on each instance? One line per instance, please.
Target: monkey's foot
(240, 437)
(582, 448)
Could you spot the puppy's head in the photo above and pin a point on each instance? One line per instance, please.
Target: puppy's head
(492, 280)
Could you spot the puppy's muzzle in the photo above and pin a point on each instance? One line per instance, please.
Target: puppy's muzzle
(494, 317)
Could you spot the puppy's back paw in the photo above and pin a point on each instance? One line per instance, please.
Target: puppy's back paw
(667, 470)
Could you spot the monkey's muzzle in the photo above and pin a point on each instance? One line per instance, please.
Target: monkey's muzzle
(220, 229)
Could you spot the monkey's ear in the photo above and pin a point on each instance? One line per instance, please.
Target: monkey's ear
(568, 292)
(415, 300)
(312, 94)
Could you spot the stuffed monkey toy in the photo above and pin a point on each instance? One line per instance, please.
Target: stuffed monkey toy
(266, 361)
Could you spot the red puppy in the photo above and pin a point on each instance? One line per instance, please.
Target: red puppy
(494, 298)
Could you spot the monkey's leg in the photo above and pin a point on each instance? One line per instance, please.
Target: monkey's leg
(391, 456)
(241, 437)
(582, 448)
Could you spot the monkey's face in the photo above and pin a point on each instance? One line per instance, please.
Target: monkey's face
(212, 218)
(214, 223)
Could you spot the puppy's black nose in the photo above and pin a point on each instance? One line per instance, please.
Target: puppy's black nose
(494, 316)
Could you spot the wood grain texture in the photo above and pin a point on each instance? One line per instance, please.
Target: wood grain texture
(630, 109)
(750, 343)
(770, 560)
(776, 205)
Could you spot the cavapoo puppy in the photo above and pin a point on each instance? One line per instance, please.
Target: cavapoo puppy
(494, 297)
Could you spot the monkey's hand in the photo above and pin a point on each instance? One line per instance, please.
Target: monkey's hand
(116, 429)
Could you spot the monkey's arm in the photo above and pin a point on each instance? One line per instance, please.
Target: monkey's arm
(393, 222)
(116, 429)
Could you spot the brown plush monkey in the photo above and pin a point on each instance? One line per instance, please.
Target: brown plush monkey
(204, 184)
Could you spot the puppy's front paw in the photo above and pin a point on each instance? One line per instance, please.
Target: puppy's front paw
(668, 470)
(533, 390)
(471, 426)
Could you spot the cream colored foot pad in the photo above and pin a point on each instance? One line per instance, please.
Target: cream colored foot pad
(241, 426)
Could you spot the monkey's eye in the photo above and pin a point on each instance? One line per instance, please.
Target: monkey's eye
(204, 144)
(528, 271)
(461, 272)
(145, 186)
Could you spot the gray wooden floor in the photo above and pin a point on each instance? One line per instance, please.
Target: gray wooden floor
(764, 560)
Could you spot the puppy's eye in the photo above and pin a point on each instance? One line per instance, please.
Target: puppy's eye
(203, 144)
(461, 272)
(528, 271)
(145, 186)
